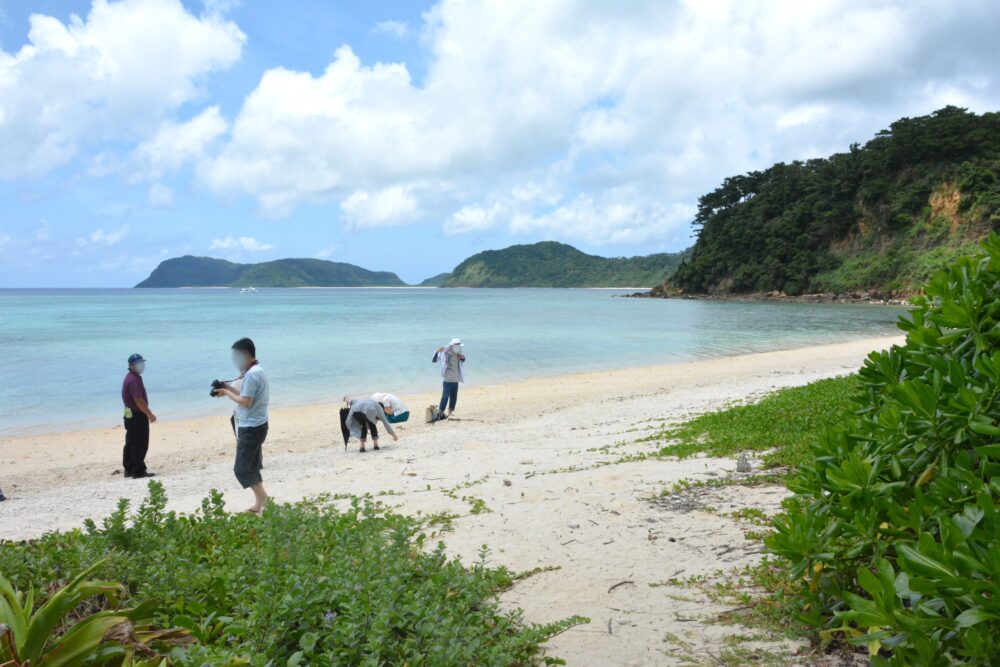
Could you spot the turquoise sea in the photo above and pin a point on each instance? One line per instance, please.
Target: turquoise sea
(64, 351)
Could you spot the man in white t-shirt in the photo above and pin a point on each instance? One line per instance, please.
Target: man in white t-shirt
(250, 419)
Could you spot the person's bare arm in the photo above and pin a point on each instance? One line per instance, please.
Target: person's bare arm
(242, 401)
(144, 408)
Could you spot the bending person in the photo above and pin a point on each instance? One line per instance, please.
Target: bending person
(395, 411)
(361, 416)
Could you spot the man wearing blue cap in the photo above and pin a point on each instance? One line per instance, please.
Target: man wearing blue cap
(138, 417)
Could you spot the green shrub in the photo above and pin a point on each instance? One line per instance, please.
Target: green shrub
(47, 635)
(893, 533)
(303, 584)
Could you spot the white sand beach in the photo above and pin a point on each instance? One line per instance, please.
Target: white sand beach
(534, 452)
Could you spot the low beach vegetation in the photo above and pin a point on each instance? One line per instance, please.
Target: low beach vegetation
(306, 583)
(892, 537)
(781, 425)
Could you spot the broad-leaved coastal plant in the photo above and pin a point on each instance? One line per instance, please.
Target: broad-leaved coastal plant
(893, 532)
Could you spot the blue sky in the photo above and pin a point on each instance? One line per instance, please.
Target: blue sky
(405, 137)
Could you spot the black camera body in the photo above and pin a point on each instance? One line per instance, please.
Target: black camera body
(216, 386)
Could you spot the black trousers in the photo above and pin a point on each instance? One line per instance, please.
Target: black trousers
(365, 425)
(249, 454)
(136, 443)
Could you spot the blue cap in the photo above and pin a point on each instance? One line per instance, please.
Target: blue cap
(134, 358)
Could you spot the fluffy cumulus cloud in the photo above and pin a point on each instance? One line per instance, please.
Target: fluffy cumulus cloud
(393, 205)
(246, 243)
(174, 144)
(625, 114)
(581, 120)
(114, 75)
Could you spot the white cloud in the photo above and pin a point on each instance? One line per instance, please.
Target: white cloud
(220, 6)
(801, 115)
(617, 217)
(102, 238)
(247, 243)
(624, 117)
(472, 218)
(397, 29)
(174, 144)
(391, 206)
(326, 253)
(113, 76)
(570, 119)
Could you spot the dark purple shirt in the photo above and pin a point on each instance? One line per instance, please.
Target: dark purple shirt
(133, 388)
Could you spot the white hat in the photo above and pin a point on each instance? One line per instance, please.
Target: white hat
(455, 341)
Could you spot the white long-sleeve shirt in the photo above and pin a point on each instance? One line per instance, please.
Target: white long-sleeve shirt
(390, 401)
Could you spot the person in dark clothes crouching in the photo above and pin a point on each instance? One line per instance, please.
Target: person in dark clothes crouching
(138, 417)
(251, 419)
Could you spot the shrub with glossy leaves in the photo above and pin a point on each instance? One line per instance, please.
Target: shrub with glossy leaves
(304, 584)
(893, 531)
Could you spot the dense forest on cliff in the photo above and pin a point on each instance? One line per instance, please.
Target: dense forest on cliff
(879, 218)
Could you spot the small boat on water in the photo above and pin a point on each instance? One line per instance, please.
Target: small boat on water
(248, 290)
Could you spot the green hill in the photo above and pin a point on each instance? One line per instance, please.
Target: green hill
(189, 271)
(435, 281)
(551, 264)
(879, 218)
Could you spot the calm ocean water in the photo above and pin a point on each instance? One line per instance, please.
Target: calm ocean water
(64, 351)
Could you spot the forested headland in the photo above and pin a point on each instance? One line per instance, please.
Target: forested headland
(879, 219)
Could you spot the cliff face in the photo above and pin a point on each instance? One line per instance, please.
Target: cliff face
(877, 220)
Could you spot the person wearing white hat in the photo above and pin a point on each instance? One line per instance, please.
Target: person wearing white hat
(451, 358)
(395, 410)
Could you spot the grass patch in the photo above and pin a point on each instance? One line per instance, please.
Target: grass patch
(305, 584)
(786, 421)
(785, 424)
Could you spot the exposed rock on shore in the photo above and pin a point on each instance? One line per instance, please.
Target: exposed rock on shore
(870, 298)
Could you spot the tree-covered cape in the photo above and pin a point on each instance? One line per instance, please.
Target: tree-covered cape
(881, 217)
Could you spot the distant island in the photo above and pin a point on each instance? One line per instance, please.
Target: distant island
(552, 264)
(874, 222)
(190, 271)
(544, 264)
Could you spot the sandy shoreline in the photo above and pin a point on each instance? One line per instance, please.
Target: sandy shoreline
(527, 449)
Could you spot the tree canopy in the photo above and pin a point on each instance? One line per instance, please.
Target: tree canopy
(883, 216)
